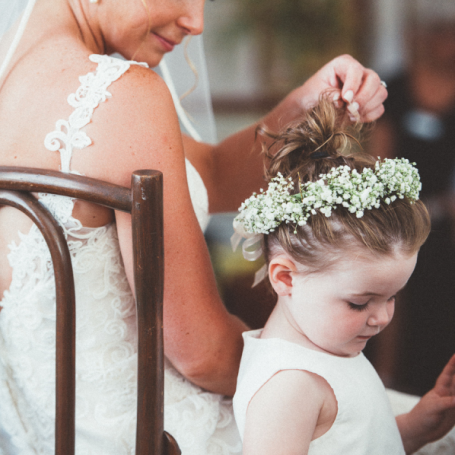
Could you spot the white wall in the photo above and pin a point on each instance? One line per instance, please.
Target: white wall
(388, 45)
(231, 61)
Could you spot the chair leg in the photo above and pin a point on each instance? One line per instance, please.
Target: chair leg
(170, 446)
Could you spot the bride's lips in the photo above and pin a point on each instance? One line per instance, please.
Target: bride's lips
(168, 45)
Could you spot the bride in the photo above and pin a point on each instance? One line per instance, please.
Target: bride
(65, 104)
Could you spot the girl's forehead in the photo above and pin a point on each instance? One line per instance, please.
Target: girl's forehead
(371, 274)
(364, 267)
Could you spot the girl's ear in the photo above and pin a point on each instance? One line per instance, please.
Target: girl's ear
(280, 275)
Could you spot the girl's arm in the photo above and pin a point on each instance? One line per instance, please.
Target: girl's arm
(138, 129)
(283, 416)
(233, 169)
(433, 416)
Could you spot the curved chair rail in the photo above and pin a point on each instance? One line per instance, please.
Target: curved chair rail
(145, 203)
(66, 313)
(72, 185)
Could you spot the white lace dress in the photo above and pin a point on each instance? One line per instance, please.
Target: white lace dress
(106, 351)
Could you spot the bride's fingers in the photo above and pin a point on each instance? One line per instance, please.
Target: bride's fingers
(374, 102)
(335, 96)
(351, 74)
(343, 72)
(371, 116)
(371, 89)
(373, 109)
(359, 88)
(371, 97)
(362, 89)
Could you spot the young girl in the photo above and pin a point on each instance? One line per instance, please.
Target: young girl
(341, 232)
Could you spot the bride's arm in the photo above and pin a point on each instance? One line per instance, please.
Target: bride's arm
(140, 130)
(233, 169)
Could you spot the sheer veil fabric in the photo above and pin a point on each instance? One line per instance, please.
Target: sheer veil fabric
(184, 71)
(13, 21)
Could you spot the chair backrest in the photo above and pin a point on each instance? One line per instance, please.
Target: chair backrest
(145, 203)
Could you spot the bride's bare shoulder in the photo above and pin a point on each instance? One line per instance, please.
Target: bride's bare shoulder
(136, 128)
(143, 88)
(141, 105)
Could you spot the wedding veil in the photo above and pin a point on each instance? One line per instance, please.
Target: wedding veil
(14, 15)
(184, 70)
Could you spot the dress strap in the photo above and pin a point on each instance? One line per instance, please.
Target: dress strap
(93, 90)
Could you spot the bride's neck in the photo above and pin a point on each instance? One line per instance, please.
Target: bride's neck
(76, 18)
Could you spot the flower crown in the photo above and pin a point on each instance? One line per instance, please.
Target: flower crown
(342, 186)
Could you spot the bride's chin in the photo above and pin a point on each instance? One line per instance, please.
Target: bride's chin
(152, 62)
(149, 56)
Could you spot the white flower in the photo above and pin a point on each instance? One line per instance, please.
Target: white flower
(357, 192)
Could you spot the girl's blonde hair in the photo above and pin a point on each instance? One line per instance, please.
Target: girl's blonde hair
(321, 140)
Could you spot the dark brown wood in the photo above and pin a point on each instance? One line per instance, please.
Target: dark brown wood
(66, 314)
(170, 445)
(144, 202)
(147, 221)
(76, 186)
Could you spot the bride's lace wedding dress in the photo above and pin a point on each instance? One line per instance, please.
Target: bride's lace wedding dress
(106, 352)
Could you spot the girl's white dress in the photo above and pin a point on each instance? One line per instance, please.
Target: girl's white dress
(106, 352)
(364, 423)
(358, 390)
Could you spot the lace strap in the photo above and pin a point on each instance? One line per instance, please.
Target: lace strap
(89, 95)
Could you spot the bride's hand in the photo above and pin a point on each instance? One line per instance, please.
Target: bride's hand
(358, 87)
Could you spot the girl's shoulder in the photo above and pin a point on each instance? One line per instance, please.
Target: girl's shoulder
(299, 400)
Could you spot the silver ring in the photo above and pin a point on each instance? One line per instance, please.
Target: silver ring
(383, 84)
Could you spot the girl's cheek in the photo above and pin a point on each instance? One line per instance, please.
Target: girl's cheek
(355, 321)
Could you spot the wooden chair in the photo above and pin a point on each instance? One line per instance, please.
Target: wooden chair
(144, 202)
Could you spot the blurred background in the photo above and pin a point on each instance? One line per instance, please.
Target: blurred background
(259, 50)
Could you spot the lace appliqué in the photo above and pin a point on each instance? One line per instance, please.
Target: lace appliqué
(88, 96)
(201, 422)
(67, 135)
(61, 207)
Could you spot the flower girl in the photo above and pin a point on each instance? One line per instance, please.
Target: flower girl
(340, 234)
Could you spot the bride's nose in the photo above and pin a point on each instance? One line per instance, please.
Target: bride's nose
(192, 21)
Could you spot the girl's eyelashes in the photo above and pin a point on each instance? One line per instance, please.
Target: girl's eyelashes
(357, 307)
(363, 306)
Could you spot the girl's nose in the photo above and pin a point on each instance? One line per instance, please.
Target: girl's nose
(193, 20)
(382, 315)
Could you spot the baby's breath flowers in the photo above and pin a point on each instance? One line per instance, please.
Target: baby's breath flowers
(391, 179)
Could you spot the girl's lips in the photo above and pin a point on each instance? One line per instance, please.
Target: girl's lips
(168, 45)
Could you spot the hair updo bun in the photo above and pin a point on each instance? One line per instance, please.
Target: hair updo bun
(321, 140)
